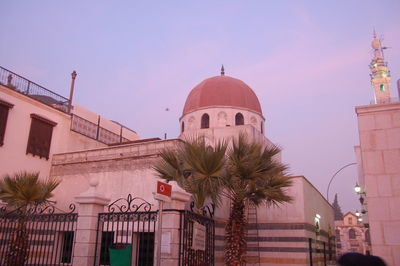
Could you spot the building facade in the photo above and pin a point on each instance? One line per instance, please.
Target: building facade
(378, 157)
(351, 235)
(220, 107)
(35, 124)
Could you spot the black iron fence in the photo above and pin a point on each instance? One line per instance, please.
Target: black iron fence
(95, 131)
(37, 238)
(33, 90)
(126, 233)
(197, 239)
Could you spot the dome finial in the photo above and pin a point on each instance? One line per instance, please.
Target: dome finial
(222, 71)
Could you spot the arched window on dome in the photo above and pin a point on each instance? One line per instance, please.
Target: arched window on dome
(205, 121)
(239, 119)
(182, 127)
(352, 234)
(262, 127)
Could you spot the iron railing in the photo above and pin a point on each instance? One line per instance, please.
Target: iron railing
(126, 232)
(36, 238)
(95, 131)
(192, 251)
(33, 90)
(130, 226)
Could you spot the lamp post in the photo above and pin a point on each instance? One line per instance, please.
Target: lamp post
(337, 172)
(357, 189)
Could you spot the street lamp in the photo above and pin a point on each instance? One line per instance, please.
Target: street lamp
(337, 172)
(357, 188)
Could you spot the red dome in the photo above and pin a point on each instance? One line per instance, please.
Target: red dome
(222, 91)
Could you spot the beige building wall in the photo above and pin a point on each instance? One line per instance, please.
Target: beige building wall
(287, 231)
(120, 170)
(379, 154)
(282, 233)
(13, 156)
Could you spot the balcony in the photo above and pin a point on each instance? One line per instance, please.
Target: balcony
(24, 86)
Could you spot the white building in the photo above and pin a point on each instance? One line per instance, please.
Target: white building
(221, 107)
(35, 124)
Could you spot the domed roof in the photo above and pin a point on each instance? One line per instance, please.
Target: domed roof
(222, 91)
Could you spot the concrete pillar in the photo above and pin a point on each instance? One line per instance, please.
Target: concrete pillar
(170, 228)
(90, 203)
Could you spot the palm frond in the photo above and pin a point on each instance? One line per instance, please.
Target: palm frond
(196, 167)
(25, 188)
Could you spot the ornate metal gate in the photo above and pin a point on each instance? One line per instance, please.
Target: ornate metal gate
(197, 238)
(37, 236)
(126, 232)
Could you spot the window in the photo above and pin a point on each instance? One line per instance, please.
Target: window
(382, 87)
(40, 136)
(262, 128)
(68, 240)
(350, 220)
(205, 121)
(4, 107)
(352, 234)
(239, 119)
(183, 127)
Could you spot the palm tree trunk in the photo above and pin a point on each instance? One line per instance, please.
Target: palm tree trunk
(235, 250)
(19, 245)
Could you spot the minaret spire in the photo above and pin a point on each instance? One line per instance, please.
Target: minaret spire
(222, 71)
(380, 74)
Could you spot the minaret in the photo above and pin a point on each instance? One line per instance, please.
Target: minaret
(380, 74)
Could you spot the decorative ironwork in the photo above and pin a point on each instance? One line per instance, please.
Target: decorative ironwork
(130, 204)
(47, 207)
(36, 235)
(41, 209)
(129, 221)
(207, 210)
(191, 254)
(95, 131)
(32, 90)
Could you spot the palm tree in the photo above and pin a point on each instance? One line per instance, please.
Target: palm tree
(253, 176)
(196, 167)
(20, 192)
(247, 172)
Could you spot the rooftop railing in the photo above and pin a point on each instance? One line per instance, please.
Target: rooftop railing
(95, 131)
(32, 90)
